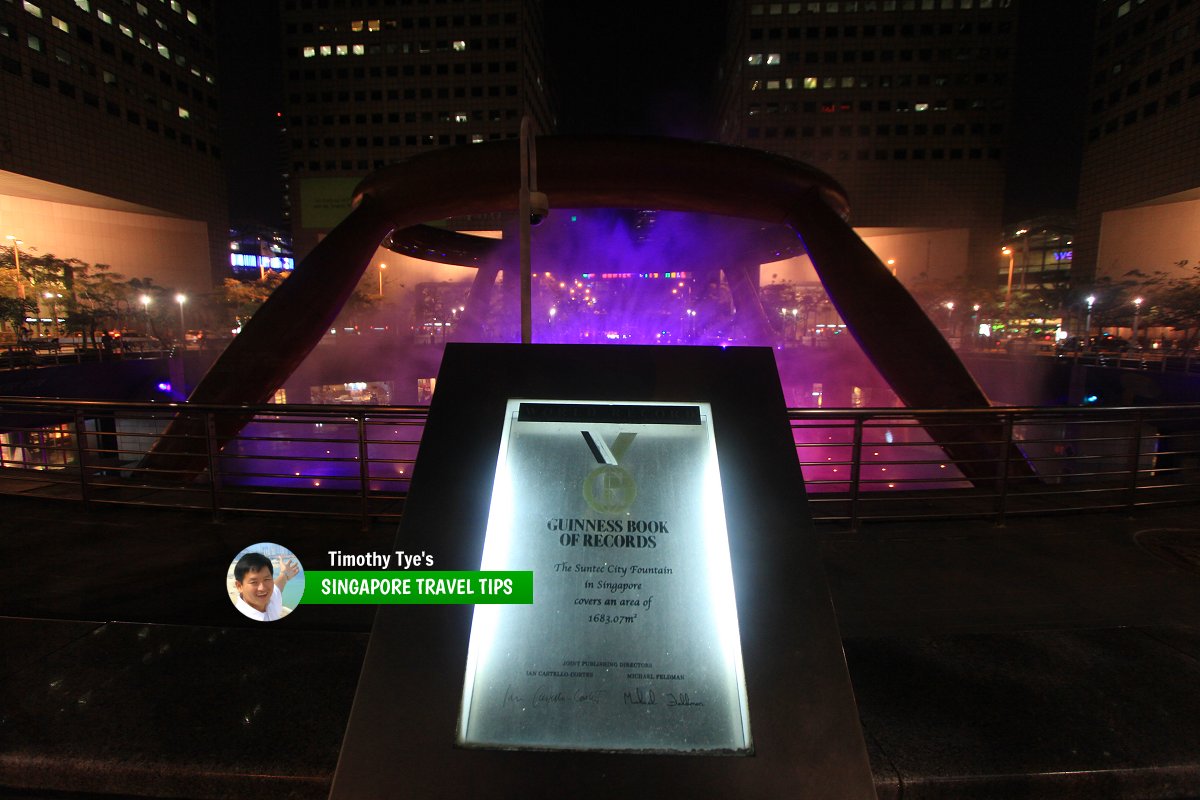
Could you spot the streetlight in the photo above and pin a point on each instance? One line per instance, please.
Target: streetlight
(17, 265)
(1087, 326)
(181, 299)
(891, 262)
(52, 300)
(1137, 308)
(145, 301)
(382, 267)
(1008, 251)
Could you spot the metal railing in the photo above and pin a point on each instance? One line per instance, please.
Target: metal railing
(859, 464)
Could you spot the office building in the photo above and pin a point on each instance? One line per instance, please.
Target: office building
(904, 102)
(367, 84)
(108, 136)
(1139, 193)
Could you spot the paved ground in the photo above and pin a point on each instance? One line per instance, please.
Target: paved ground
(1058, 657)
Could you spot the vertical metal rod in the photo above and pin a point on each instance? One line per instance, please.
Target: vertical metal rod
(523, 210)
(855, 472)
(80, 450)
(364, 472)
(210, 441)
(1135, 458)
(1002, 494)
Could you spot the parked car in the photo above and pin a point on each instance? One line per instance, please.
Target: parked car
(1022, 345)
(1109, 344)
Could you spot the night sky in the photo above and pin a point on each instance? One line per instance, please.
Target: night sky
(650, 67)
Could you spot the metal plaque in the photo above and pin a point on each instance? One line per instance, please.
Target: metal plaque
(632, 640)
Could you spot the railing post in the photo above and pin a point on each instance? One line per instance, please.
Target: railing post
(210, 441)
(364, 472)
(1002, 494)
(80, 450)
(855, 472)
(1135, 458)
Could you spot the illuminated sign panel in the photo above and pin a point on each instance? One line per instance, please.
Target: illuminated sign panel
(632, 640)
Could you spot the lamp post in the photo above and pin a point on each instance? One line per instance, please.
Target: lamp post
(1008, 251)
(181, 299)
(52, 298)
(145, 301)
(382, 267)
(17, 265)
(975, 326)
(949, 317)
(1087, 326)
(1137, 308)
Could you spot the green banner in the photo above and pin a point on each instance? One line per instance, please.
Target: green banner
(404, 587)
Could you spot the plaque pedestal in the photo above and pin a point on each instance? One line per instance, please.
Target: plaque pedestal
(586, 464)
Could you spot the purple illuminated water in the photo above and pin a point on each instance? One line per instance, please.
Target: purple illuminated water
(619, 277)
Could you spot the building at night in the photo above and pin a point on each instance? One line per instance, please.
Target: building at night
(108, 138)
(905, 102)
(1139, 193)
(366, 85)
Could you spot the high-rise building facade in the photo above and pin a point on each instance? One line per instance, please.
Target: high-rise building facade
(905, 102)
(368, 83)
(1139, 193)
(108, 124)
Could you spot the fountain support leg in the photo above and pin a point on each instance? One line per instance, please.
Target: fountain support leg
(273, 343)
(904, 345)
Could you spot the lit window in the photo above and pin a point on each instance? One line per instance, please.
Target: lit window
(459, 45)
(164, 52)
(373, 25)
(60, 24)
(195, 71)
(754, 59)
(142, 10)
(343, 50)
(192, 18)
(37, 12)
(756, 10)
(921, 107)
(359, 49)
(326, 49)
(356, 25)
(1122, 9)
(184, 113)
(125, 29)
(208, 78)
(34, 42)
(848, 82)
(476, 138)
(788, 83)
(86, 5)
(145, 42)
(104, 17)
(309, 52)
(178, 9)
(810, 83)
(772, 84)
(829, 83)
(110, 79)
(460, 117)
(772, 59)
(755, 86)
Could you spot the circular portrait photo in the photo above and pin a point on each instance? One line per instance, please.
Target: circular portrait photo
(265, 582)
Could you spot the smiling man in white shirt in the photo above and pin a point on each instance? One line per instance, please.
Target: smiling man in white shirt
(259, 590)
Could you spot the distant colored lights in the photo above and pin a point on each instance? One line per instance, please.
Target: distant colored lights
(608, 276)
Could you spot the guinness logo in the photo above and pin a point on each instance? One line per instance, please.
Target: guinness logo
(609, 488)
